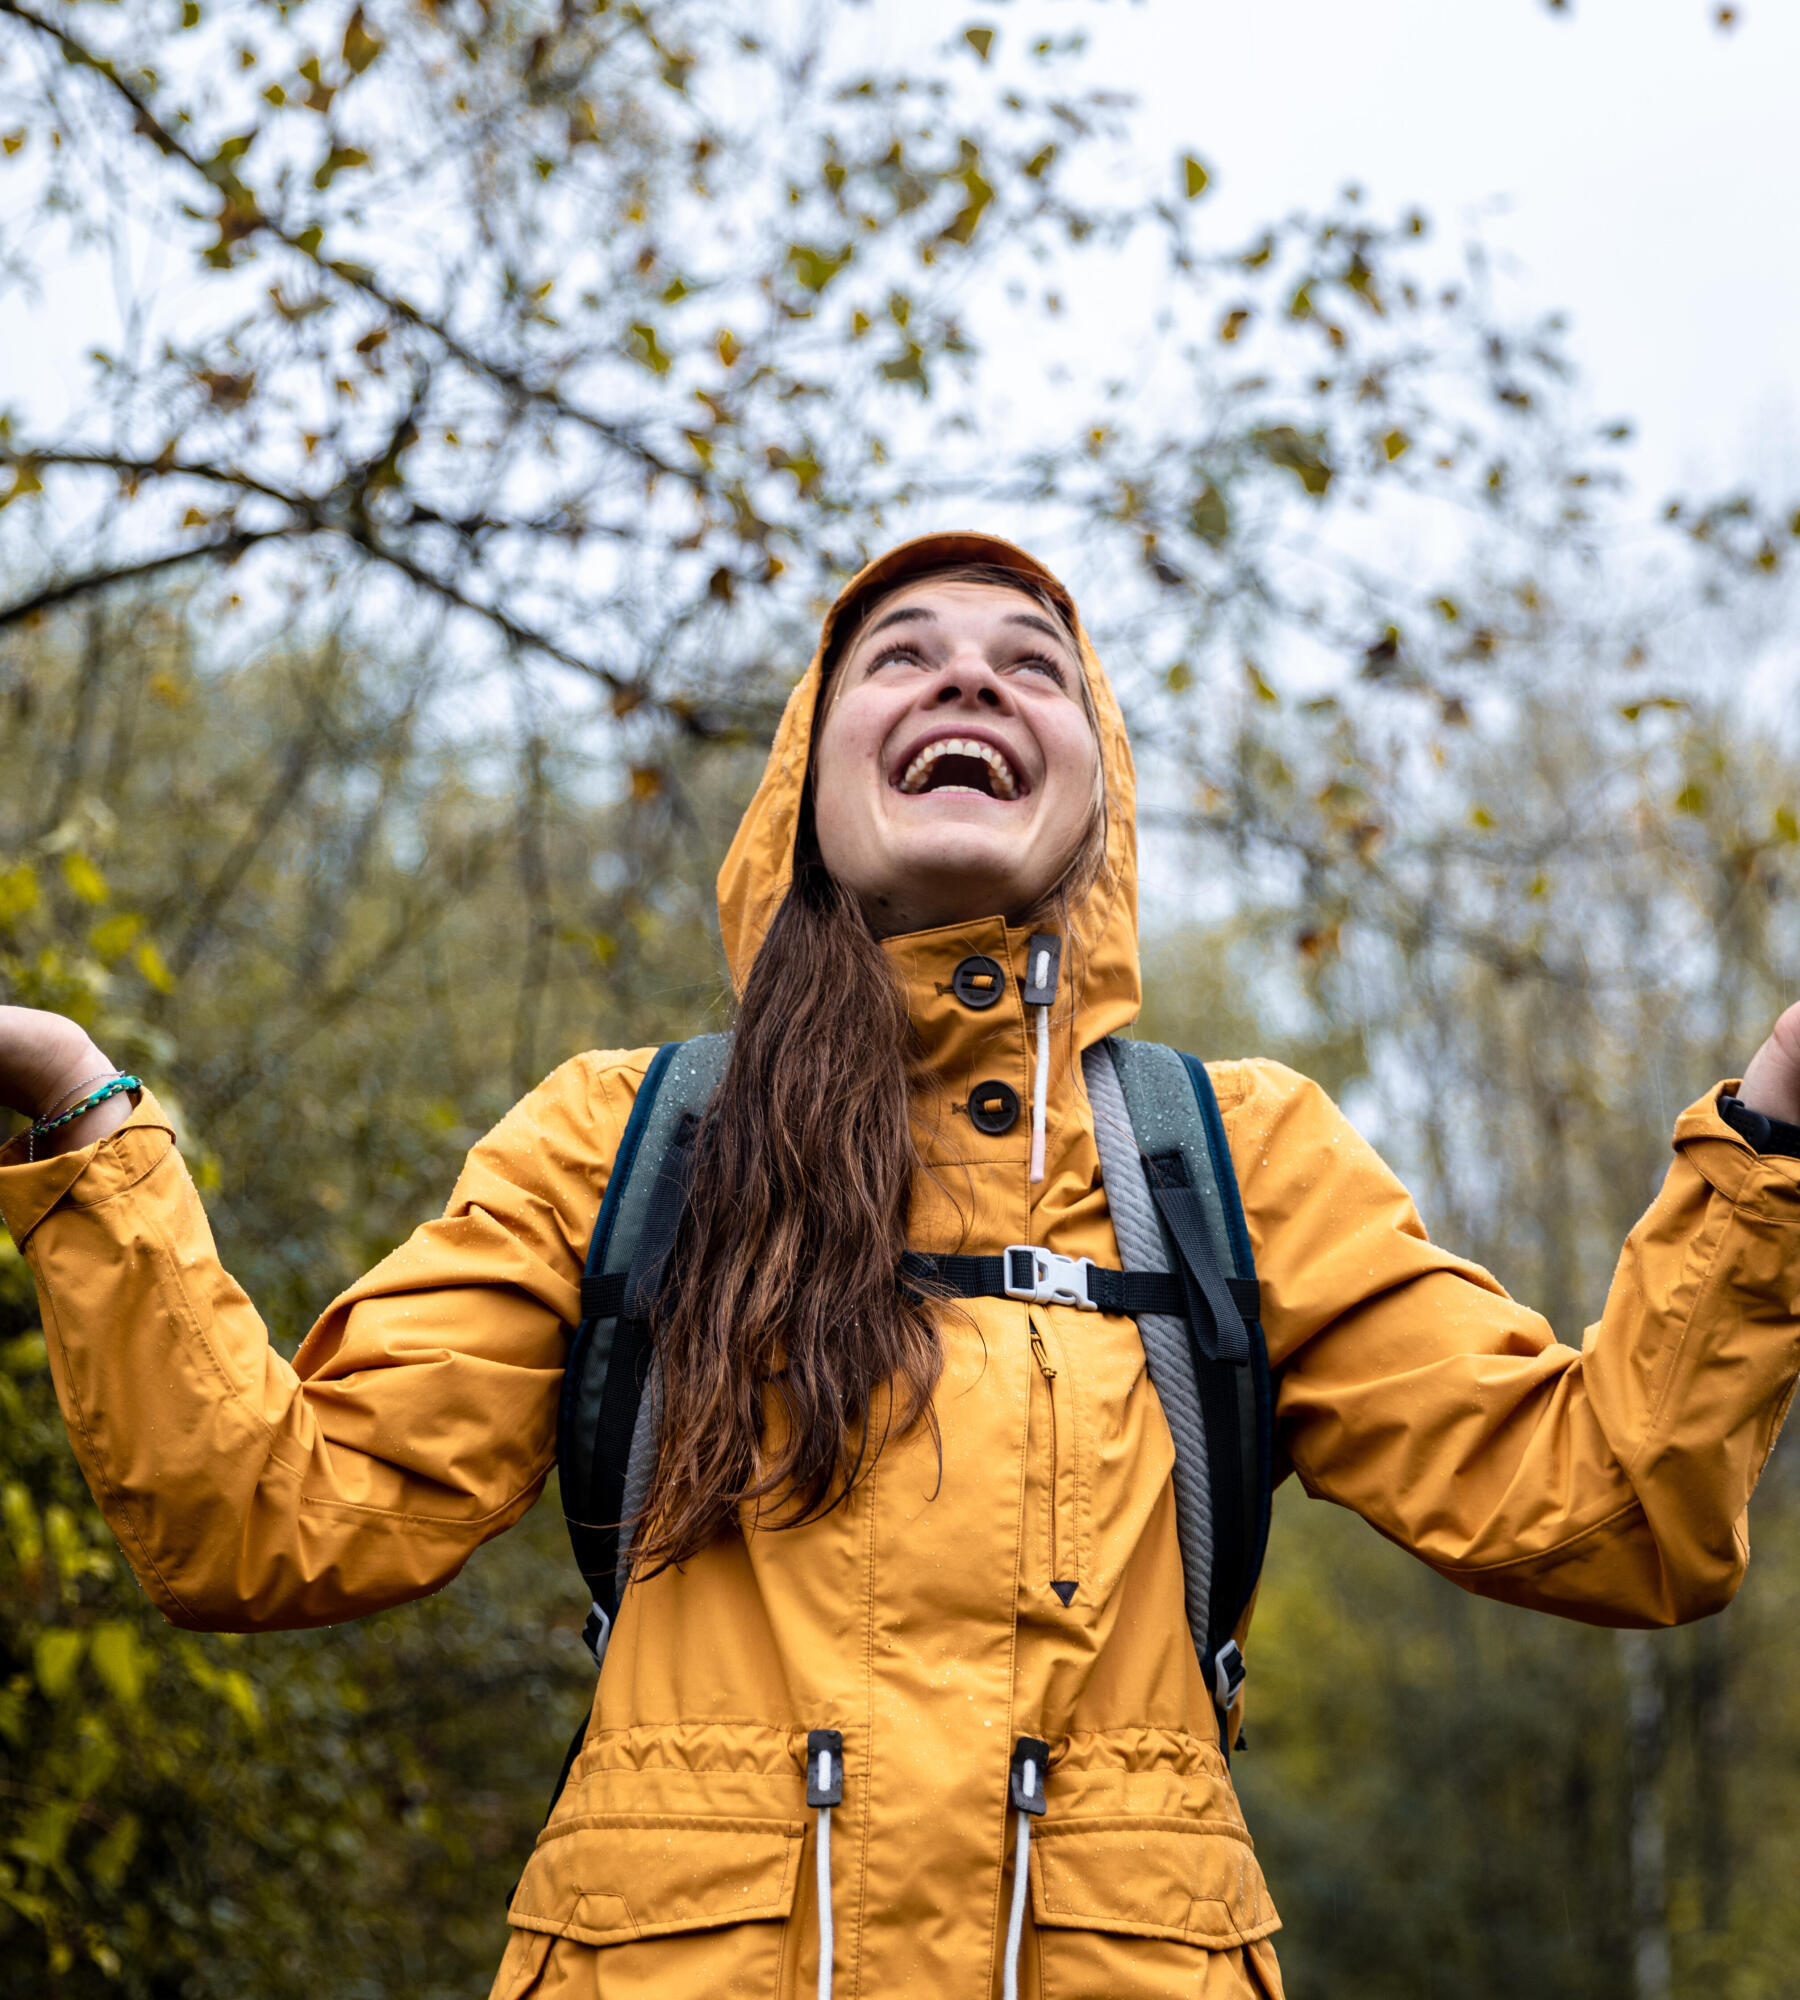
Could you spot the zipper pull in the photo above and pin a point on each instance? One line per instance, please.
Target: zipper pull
(1042, 1355)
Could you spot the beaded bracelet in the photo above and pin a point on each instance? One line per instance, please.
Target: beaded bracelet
(43, 1126)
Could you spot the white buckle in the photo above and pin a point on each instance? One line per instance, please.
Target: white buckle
(1047, 1277)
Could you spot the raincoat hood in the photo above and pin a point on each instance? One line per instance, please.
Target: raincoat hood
(760, 863)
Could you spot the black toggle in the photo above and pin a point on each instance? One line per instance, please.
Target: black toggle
(978, 982)
(1043, 954)
(1032, 1750)
(993, 1108)
(820, 1745)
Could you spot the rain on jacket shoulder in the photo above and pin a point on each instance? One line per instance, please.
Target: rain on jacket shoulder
(1608, 1482)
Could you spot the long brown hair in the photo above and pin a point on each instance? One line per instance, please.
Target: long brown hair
(788, 1351)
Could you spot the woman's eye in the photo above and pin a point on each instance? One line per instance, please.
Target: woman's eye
(894, 656)
(1040, 664)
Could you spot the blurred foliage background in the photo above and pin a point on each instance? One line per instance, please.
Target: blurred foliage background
(490, 395)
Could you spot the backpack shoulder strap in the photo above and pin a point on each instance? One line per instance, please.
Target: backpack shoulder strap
(1175, 1204)
(603, 1401)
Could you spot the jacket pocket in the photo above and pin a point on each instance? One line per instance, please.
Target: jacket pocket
(608, 1878)
(1151, 1905)
(1185, 1880)
(669, 1866)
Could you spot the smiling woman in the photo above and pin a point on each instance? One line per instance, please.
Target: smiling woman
(917, 1461)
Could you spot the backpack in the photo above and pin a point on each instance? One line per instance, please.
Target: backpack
(1191, 1286)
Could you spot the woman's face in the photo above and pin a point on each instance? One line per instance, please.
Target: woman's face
(956, 770)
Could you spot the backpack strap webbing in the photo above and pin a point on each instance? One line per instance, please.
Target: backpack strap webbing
(609, 1358)
(1168, 1176)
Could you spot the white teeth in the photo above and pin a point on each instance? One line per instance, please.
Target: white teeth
(1006, 784)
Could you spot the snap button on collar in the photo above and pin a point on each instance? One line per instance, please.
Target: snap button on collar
(993, 1108)
(978, 982)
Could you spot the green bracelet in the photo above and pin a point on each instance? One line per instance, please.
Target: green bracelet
(116, 1088)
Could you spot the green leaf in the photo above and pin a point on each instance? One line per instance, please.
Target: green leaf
(54, 1658)
(360, 47)
(25, 480)
(814, 268)
(644, 347)
(1299, 452)
(1194, 177)
(84, 880)
(1209, 517)
(339, 160)
(120, 1660)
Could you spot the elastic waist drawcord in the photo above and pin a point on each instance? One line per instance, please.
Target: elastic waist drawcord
(1043, 962)
(824, 1789)
(1030, 1764)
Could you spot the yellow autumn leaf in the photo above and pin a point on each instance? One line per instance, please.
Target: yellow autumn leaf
(83, 878)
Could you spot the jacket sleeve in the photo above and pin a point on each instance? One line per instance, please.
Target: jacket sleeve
(1607, 1483)
(418, 1418)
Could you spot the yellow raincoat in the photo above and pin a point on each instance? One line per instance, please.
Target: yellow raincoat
(1607, 1482)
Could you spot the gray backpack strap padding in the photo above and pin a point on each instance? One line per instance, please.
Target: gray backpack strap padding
(1165, 1118)
(1168, 1349)
(687, 1086)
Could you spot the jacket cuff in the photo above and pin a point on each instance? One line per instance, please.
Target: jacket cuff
(1767, 1135)
(30, 1189)
(1717, 1145)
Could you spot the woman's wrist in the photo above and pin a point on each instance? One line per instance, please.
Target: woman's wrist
(80, 1077)
(100, 1123)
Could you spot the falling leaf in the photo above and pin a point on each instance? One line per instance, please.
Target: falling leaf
(1179, 678)
(1194, 176)
(1787, 827)
(1481, 819)
(646, 783)
(727, 344)
(1395, 444)
(10, 142)
(1691, 799)
(981, 40)
(1234, 322)
(1258, 686)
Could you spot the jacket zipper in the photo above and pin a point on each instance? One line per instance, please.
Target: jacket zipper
(1041, 1355)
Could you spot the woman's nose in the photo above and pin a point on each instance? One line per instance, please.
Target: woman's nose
(967, 677)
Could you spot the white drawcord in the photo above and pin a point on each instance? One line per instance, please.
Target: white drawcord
(1043, 965)
(1040, 1096)
(824, 1789)
(826, 1943)
(1015, 1923)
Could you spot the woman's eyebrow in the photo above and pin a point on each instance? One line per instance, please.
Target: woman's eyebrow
(1037, 624)
(899, 616)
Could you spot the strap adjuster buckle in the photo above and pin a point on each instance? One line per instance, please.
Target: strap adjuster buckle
(1047, 1277)
(1228, 1674)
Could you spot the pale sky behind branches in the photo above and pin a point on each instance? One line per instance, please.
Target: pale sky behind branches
(1629, 162)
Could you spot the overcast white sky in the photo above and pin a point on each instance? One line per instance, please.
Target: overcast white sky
(1637, 164)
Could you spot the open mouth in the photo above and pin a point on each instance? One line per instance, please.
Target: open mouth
(961, 764)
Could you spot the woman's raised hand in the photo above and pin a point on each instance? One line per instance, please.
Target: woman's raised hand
(44, 1060)
(1772, 1082)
